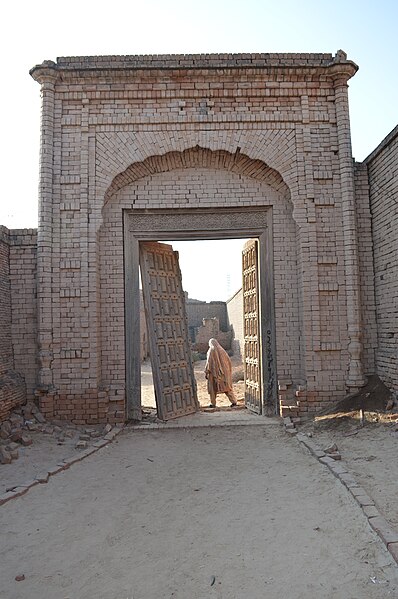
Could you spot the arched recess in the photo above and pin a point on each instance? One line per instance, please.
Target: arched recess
(256, 202)
(200, 158)
(117, 153)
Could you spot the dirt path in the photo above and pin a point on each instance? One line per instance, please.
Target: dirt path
(148, 395)
(371, 454)
(231, 513)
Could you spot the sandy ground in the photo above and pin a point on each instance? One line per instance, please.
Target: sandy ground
(235, 512)
(370, 451)
(227, 512)
(148, 395)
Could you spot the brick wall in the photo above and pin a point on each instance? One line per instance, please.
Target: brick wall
(23, 265)
(365, 246)
(6, 357)
(12, 385)
(382, 167)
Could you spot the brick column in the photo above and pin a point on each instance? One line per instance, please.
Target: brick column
(46, 75)
(355, 377)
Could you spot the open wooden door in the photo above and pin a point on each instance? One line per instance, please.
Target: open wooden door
(173, 376)
(251, 316)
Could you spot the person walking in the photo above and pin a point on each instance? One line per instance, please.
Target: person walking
(218, 372)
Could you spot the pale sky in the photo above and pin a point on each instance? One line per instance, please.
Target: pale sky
(42, 30)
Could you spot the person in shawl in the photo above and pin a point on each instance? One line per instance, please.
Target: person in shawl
(218, 371)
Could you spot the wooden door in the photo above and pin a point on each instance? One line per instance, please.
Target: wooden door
(164, 301)
(251, 316)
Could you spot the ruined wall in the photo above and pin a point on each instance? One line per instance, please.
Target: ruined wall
(382, 167)
(197, 311)
(125, 133)
(210, 329)
(12, 386)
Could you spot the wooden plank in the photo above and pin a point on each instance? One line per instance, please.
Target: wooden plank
(251, 314)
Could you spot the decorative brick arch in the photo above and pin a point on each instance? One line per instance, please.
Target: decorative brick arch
(267, 155)
(198, 158)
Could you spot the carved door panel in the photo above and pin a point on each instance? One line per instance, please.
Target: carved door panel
(251, 316)
(173, 376)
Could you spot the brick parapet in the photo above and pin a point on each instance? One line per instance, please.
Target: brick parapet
(199, 61)
(23, 237)
(4, 234)
(383, 145)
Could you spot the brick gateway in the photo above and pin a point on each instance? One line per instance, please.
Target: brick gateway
(157, 137)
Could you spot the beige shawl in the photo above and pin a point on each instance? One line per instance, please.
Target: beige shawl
(218, 368)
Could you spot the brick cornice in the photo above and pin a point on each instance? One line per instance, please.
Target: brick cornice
(316, 63)
(47, 72)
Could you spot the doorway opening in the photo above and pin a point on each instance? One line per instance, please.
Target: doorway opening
(211, 273)
(170, 340)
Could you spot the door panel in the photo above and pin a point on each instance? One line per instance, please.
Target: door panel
(164, 301)
(252, 351)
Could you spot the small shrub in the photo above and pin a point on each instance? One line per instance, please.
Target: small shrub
(195, 356)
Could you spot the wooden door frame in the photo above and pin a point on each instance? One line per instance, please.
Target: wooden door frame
(188, 225)
(177, 395)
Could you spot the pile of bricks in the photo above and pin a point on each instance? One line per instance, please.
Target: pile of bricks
(25, 422)
(13, 435)
(289, 410)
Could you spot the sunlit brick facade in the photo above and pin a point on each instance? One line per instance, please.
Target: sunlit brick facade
(172, 133)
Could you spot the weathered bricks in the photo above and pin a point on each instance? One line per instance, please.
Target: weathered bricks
(382, 167)
(174, 133)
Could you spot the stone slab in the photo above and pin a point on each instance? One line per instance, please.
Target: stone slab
(99, 444)
(384, 529)
(393, 549)
(7, 496)
(338, 468)
(370, 511)
(43, 477)
(364, 500)
(54, 470)
(349, 481)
